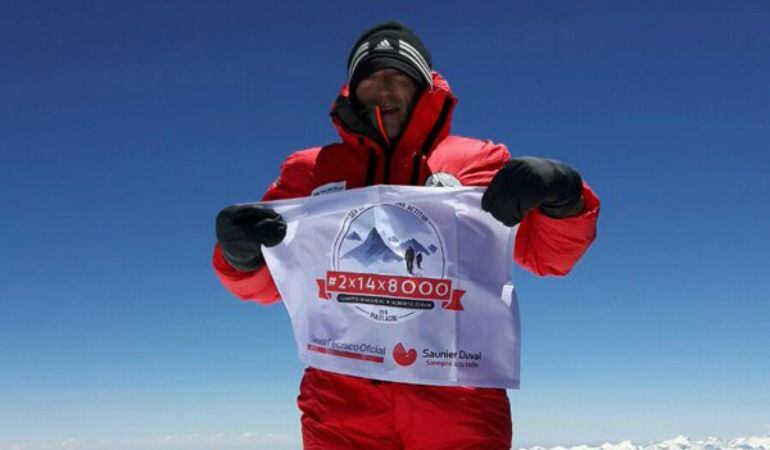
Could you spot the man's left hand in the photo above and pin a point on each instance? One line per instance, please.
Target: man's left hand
(526, 183)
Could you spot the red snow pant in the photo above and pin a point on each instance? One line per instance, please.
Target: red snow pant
(341, 412)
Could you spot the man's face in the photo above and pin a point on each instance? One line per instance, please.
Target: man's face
(391, 90)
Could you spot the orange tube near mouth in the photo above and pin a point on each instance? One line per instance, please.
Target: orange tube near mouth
(380, 126)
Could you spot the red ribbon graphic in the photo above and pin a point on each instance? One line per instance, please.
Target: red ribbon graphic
(393, 286)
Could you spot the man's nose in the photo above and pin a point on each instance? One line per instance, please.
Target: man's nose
(385, 90)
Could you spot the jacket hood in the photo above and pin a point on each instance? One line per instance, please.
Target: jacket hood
(428, 123)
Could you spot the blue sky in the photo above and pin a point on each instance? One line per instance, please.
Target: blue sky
(125, 127)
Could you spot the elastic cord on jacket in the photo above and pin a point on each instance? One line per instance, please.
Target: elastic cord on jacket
(380, 126)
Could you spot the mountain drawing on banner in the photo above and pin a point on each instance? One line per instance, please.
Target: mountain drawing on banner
(373, 249)
(354, 237)
(418, 248)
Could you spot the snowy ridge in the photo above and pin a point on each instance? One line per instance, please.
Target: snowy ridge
(677, 443)
(269, 441)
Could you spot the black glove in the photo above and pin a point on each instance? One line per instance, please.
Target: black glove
(525, 183)
(243, 230)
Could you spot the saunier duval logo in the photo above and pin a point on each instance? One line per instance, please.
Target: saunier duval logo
(403, 357)
(458, 358)
(388, 264)
(442, 358)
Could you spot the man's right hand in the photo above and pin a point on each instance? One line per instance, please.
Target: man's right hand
(242, 230)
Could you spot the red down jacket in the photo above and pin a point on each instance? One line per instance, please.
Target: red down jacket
(343, 412)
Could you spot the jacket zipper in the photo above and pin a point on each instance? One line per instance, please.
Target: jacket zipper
(429, 140)
(371, 167)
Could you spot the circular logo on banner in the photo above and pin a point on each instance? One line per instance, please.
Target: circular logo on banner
(389, 264)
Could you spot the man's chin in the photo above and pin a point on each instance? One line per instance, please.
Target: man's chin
(393, 130)
(393, 135)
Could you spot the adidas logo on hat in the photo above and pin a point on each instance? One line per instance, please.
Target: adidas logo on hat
(383, 45)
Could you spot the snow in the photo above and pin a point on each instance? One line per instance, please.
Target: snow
(677, 443)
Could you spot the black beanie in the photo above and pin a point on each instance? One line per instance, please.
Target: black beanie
(389, 45)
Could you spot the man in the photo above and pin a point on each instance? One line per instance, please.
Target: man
(393, 117)
(409, 257)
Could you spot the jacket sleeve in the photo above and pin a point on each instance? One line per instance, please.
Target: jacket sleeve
(548, 246)
(544, 245)
(474, 163)
(296, 180)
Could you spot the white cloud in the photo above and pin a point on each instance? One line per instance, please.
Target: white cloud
(69, 443)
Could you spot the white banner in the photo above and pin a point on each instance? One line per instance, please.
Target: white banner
(400, 283)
